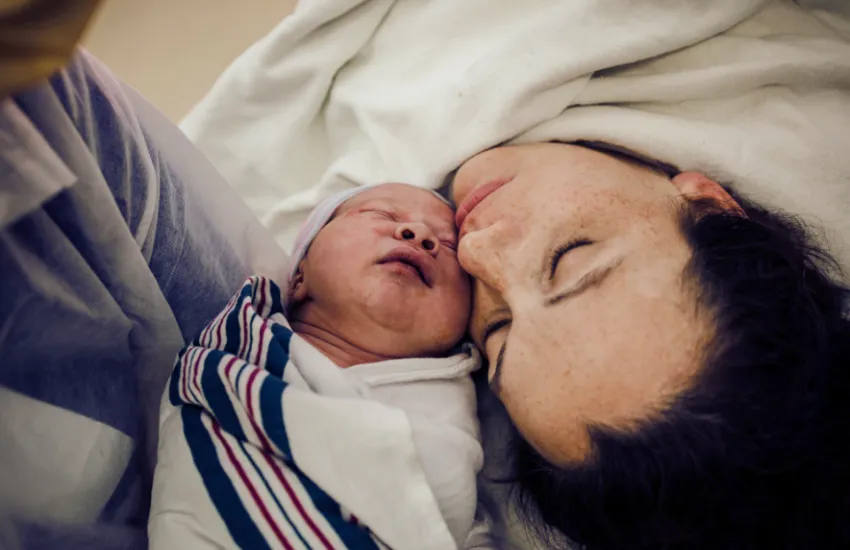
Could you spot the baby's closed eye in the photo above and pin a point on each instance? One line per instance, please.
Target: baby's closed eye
(381, 213)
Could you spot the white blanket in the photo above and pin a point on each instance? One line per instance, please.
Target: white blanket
(348, 92)
(264, 443)
(438, 399)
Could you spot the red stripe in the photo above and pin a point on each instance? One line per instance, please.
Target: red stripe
(184, 364)
(205, 333)
(257, 500)
(190, 370)
(249, 398)
(213, 325)
(294, 498)
(267, 450)
(242, 345)
(262, 301)
(219, 321)
(264, 443)
(229, 364)
(197, 373)
(263, 328)
(230, 382)
(186, 374)
(219, 339)
(260, 283)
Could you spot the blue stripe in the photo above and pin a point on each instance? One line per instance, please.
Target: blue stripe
(218, 484)
(252, 315)
(232, 325)
(278, 351)
(196, 341)
(277, 302)
(174, 381)
(354, 536)
(217, 395)
(273, 493)
(256, 285)
(242, 369)
(190, 385)
(271, 409)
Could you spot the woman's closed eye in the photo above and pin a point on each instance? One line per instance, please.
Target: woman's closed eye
(562, 251)
(492, 328)
(495, 358)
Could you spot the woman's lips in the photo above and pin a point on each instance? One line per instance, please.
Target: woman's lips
(475, 198)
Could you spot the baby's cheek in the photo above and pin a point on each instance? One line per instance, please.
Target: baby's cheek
(464, 300)
(462, 284)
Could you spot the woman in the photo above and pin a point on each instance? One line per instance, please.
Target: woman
(694, 392)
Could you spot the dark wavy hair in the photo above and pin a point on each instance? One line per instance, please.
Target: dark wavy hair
(756, 453)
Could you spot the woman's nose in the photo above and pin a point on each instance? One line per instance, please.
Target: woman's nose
(418, 234)
(487, 257)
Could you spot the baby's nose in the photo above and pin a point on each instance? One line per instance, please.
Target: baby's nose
(419, 235)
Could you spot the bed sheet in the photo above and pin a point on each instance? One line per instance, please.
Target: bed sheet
(343, 93)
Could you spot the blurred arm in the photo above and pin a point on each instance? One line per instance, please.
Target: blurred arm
(37, 37)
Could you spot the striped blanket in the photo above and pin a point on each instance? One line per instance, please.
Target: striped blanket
(249, 461)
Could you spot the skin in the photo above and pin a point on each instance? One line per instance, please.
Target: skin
(356, 309)
(613, 332)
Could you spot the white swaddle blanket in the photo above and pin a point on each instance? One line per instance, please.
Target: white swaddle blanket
(350, 92)
(265, 443)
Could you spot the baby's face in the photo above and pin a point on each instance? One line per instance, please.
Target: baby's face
(385, 269)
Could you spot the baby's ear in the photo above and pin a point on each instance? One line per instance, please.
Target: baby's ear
(298, 287)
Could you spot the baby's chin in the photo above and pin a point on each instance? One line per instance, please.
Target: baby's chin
(413, 348)
(414, 331)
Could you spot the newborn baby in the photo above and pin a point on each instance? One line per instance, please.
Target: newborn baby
(374, 312)
(381, 278)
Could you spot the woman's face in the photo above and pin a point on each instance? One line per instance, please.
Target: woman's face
(580, 303)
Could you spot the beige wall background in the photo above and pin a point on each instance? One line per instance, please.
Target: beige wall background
(173, 50)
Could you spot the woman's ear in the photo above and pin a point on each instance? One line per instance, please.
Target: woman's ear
(694, 185)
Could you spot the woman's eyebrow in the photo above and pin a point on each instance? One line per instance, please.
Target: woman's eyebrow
(589, 280)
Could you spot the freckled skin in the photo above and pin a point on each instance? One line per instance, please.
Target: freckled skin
(613, 353)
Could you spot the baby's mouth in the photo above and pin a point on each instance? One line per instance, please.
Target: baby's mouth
(409, 266)
(412, 262)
